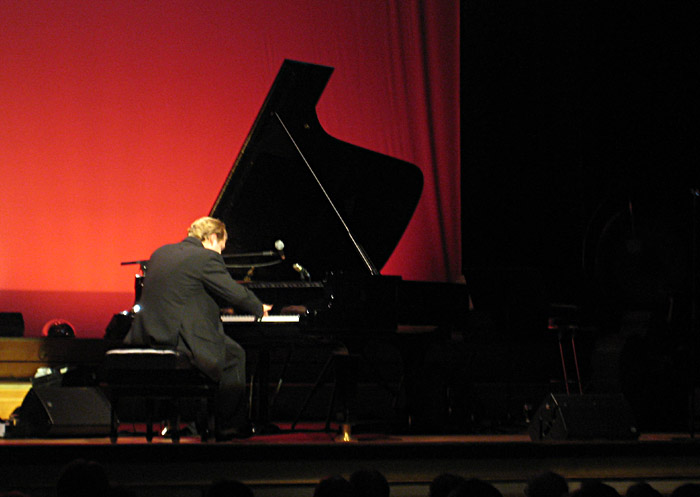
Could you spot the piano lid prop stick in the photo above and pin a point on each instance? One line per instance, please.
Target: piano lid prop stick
(361, 251)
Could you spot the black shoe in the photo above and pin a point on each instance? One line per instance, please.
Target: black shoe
(188, 431)
(242, 432)
(266, 429)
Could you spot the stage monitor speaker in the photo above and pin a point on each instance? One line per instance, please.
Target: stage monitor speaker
(11, 324)
(55, 411)
(583, 417)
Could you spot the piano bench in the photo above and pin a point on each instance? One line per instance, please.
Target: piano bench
(157, 376)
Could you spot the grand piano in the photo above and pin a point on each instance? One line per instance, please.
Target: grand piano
(334, 213)
(337, 209)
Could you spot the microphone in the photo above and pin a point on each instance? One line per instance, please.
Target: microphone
(279, 246)
(303, 273)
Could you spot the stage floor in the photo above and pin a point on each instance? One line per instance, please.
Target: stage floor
(292, 463)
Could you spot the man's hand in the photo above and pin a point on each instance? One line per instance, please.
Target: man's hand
(266, 309)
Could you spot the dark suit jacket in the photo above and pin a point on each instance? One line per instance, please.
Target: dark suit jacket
(184, 286)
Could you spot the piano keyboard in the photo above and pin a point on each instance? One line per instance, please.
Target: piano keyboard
(246, 318)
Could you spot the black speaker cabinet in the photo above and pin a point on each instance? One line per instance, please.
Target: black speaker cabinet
(55, 411)
(583, 417)
(11, 324)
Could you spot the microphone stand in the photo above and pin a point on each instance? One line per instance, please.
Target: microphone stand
(138, 278)
(265, 253)
(143, 264)
(248, 255)
(695, 192)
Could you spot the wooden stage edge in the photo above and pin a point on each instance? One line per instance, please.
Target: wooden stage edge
(290, 464)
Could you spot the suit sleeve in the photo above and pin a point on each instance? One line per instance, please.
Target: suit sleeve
(219, 282)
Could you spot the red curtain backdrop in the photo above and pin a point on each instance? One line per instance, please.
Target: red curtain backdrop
(121, 120)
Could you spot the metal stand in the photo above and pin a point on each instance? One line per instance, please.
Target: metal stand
(566, 329)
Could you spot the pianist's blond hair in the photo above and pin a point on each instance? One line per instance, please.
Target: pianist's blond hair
(204, 227)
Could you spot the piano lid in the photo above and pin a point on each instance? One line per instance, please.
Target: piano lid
(336, 206)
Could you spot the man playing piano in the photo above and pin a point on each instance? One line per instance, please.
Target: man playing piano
(180, 308)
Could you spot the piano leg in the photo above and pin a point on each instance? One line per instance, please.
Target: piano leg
(435, 382)
(344, 388)
(259, 394)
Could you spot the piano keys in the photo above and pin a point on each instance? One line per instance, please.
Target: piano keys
(247, 318)
(367, 304)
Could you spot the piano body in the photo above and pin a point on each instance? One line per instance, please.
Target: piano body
(340, 211)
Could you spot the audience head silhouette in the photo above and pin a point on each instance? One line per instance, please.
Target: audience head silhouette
(595, 489)
(84, 478)
(547, 484)
(370, 483)
(443, 484)
(334, 486)
(642, 489)
(687, 490)
(474, 487)
(81, 478)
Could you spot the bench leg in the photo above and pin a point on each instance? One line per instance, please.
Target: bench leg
(211, 417)
(149, 422)
(175, 421)
(114, 421)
